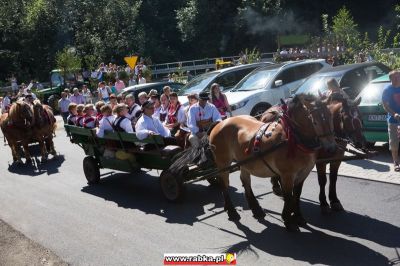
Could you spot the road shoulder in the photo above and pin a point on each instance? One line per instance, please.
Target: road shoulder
(17, 249)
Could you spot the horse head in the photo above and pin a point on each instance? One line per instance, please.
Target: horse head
(38, 113)
(21, 113)
(313, 120)
(346, 118)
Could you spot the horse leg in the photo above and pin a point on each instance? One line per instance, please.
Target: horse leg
(258, 212)
(232, 213)
(50, 146)
(276, 186)
(297, 213)
(43, 150)
(15, 154)
(333, 173)
(321, 170)
(26, 152)
(289, 204)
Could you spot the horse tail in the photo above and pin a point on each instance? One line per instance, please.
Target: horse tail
(200, 155)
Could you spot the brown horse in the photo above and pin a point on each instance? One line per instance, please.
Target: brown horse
(17, 128)
(347, 127)
(304, 123)
(43, 129)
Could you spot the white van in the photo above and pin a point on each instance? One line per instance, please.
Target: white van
(265, 86)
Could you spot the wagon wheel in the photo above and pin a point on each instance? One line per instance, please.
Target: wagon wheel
(214, 181)
(91, 170)
(171, 186)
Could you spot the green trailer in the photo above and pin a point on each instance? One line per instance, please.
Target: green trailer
(132, 154)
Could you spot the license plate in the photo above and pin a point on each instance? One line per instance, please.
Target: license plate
(376, 117)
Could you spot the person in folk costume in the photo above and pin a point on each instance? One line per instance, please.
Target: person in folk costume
(201, 116)
(148, 125)
(184, 131)
(73, 115)
(89, 121)
(164, 100)
(79, 111)
(155, 98)
(106, 122)
(176, 114)
(121, 122)
(134, 110)
(99, 115)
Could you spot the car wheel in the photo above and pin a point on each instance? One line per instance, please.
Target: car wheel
(259, 109)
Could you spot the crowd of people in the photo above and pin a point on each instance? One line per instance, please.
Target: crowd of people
(149, 114)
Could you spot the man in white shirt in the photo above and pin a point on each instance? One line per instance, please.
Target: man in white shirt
(148, 125)
(201, 116)
(77, 97)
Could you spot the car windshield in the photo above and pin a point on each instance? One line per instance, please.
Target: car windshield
(372, 93)
(258, 79)
(315, 85)
(198, 84)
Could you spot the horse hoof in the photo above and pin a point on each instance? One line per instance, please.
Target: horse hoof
(337, 206)
(43, 160)
(325, 209)
(28, 161)
(291, 227)
(258, 213)
(233, 216)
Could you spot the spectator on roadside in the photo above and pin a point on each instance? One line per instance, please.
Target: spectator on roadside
(6, 104)
(29, 92)
(87, 95)
(141, 79)
(132, 80)
(170, 78)
(104, 92)
(66, 90)
(14, 84)
(189, 76)
(119, 85)
(113, 90)
(391, 104)
(63, 104)
(77, 97)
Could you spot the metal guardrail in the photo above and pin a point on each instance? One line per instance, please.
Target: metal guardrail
(196, 66)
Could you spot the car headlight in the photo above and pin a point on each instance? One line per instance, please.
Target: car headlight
(239, 105)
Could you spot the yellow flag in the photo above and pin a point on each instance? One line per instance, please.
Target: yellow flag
(131, 61)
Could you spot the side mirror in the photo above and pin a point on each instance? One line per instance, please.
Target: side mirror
(278, 83)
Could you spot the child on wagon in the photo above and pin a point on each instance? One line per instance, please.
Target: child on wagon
(121, 123)
(99, 115)
(73, 115)
(89, 121)
(79, 111)
(105, 124)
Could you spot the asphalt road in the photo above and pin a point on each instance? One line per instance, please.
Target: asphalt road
(126, 221)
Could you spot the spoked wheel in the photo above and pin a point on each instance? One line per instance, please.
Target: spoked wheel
(171, 186)
(91, 170)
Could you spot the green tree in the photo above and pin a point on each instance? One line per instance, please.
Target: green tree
(68, 61)
(345, 29)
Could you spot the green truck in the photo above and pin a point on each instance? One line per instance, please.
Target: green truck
(59, 82)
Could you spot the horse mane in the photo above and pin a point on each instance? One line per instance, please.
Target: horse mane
(299, 99)
(14, 111)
